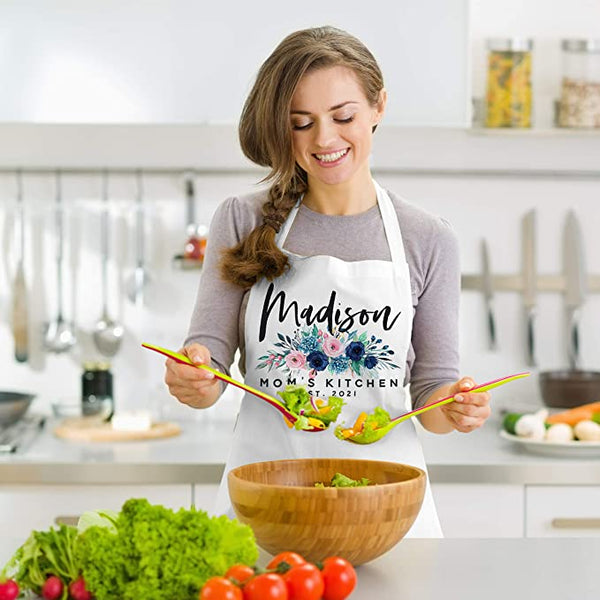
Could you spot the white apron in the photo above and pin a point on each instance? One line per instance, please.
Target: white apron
(342, 329)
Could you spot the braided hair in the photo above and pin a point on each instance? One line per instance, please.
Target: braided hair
(265, 138)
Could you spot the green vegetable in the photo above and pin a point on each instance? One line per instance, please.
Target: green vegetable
(102, 518)
(157, 553)
(510, 421)
(378, 418)
(297, 400)
(44, 553)
(596, 417)
(340, 480)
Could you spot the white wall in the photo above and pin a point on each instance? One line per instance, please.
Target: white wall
(182, 61)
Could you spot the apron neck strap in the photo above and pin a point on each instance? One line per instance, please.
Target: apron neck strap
(389, 218)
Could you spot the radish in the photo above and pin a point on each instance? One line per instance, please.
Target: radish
(9, 590)
(77, 590)
(53, 588)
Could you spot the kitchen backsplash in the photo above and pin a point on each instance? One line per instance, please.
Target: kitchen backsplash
(476, 206)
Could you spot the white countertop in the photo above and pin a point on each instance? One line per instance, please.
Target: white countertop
(198, 456)
(473, 569)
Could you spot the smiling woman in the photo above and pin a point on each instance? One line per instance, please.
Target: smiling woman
(326, 279)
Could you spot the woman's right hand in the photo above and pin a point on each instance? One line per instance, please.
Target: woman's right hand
(197, 388)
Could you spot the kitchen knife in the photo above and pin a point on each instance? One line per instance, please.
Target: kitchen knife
(488, 294)
(529, 282)
(575, 284)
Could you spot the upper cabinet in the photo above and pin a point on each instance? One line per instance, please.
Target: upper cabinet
(186, 61)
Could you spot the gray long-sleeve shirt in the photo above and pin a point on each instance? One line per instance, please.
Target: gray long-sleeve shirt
(431, 252)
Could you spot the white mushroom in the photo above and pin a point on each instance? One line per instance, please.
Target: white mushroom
(587, 431)
(532, 426)
(559, 432)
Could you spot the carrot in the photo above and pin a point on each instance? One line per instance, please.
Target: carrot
(574, 415)
(360, 422)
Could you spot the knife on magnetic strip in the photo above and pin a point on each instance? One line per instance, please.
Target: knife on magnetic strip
(529, 282)
(488, 294)
(575, 284)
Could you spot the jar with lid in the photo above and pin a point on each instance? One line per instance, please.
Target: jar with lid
(580, 89)
(508, 95)
(97, 390)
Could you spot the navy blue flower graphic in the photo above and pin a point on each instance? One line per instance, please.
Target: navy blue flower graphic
(338, 364)
(355, 350)
(370, 361)
(317, 361)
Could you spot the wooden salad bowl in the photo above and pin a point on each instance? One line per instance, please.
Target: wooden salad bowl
(279, 501)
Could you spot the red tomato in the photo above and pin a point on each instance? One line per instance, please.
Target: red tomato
(53, 588)
(291, 558)
(268, 586)
(241, 573)
(9, 590)
(339, 578)
(220, 588)
(304, 582)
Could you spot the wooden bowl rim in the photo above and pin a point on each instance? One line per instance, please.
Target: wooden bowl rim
(419, 474)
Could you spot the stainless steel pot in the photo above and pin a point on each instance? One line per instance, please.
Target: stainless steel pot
(13, 405)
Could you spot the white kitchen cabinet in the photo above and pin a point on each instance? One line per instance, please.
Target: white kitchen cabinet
(480, 510)
(562, 511)
(205, 496)
(27, 507)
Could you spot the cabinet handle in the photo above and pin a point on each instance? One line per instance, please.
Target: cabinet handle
(71, 520)
(576, 523)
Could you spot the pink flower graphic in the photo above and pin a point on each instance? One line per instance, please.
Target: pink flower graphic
(332, 346)
(295, 360)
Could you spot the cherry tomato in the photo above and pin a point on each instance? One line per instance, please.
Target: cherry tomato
(53, 588)
(304, 582)
(339, 578)
(241, 573)
(9, 590)
(220, 588)
(291, 558)
(268, 586)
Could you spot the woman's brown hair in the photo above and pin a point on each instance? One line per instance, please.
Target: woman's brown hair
(265, 138)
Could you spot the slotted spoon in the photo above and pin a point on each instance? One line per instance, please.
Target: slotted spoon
(377, 434)
(181, 358)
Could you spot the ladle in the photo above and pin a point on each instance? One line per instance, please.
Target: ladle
(60, 336)
(140, 277)
(180, 358)
(108, 333)
(376, 434)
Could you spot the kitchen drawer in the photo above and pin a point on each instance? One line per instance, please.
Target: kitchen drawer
(562, 511)
(479, 510)
(27, 507)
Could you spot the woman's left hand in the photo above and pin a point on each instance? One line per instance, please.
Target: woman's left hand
(469, 410)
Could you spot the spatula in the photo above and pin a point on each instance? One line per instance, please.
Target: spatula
(377, 434)
(181, 358)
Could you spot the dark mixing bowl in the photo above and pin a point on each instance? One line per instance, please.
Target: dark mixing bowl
(567, 389)
(13, 405)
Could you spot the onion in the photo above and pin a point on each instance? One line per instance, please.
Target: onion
(314, 404)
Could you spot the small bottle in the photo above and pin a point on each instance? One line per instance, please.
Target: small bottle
(195, 247)
(509, 97)
(97, 390)
(580, 89)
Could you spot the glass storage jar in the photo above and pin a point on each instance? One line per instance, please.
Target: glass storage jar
(508, 96)
(580, 90)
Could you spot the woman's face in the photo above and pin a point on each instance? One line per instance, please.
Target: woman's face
(332, 124)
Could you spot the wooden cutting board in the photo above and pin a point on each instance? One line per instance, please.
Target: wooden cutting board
(86, 429)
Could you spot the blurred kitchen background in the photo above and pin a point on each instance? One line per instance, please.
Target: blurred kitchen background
(122, 105)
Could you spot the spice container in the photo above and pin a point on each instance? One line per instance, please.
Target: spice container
(509, 97)
(195, 246)
(97, 390)
(580, 90)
